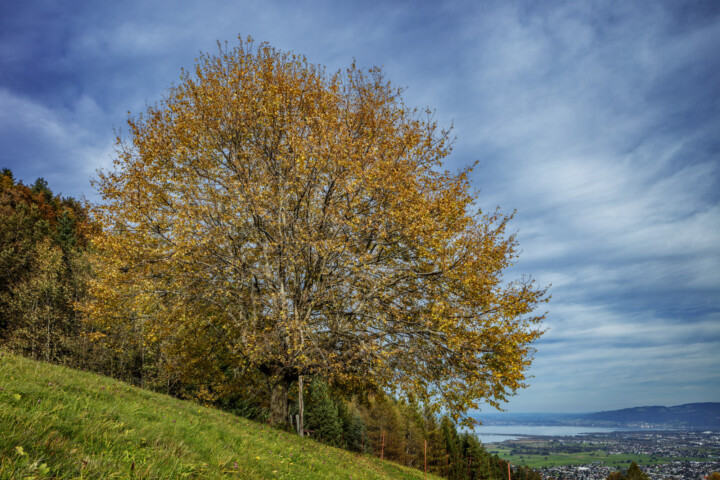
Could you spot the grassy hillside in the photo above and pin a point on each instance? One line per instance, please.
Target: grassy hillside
(61, 423)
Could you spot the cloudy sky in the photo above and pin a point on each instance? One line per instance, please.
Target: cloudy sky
(599, 121)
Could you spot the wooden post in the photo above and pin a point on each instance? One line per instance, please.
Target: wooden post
(301, 407)
(382, 449)
(426, 459)
(509, 471)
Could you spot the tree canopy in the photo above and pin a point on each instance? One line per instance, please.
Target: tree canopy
(302, 220)
(632, 473)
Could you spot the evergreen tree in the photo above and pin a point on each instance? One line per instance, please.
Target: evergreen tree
(453, 447)
(633, 473)
(436, 452)
(321, 414)
(65, 232)
(354, 431)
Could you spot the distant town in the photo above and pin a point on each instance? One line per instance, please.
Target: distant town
(661, 454)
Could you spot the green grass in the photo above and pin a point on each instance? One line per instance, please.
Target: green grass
(62, 423)
(579, 458)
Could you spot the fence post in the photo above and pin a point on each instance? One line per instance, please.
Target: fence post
(301, 406)
(382, 449)
(425, 459)
(509, 471)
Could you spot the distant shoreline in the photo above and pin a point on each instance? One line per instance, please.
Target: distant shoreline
(692, 416)
(499, 433)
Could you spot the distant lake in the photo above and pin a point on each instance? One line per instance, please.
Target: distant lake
(500, 433)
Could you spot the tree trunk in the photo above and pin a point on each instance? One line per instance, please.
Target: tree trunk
(279, 402)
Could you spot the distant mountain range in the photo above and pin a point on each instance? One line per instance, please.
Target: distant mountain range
(691, 416)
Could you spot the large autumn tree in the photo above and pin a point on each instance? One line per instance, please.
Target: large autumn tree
(303, 221)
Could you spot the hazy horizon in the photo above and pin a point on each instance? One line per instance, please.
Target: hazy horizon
(579, 412)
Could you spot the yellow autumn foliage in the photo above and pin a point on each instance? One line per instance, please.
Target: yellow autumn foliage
(305, 219)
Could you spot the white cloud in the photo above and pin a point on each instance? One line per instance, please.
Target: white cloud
(59, 146)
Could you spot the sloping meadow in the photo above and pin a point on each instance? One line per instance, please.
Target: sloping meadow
(62, 423)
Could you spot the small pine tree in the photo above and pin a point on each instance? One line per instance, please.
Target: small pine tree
(65, 234)
(354, 430)
(474, 451)
(41, 186)
(436, 459)
(453, 446)
(321, 414)
(633, 473)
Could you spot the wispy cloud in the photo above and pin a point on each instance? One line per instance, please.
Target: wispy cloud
(56, 145)
(597, 121)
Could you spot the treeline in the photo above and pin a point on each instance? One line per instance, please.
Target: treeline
(46, 264)
(42, 271)
(404, 433)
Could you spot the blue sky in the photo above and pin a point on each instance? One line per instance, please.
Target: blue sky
(598, 121)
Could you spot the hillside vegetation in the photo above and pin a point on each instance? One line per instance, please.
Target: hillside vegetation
(691, 415)
(62, 423)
